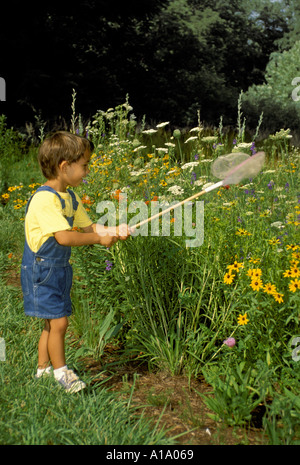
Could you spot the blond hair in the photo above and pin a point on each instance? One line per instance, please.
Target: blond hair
(61, 146)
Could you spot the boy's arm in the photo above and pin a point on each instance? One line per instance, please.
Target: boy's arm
(75, 238)
(93, 234)
(122, 231)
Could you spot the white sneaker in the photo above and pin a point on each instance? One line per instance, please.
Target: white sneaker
(70, 381)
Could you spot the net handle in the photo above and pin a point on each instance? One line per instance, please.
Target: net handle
(157, 215)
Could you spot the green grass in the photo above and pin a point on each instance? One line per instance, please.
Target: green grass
(39, 412)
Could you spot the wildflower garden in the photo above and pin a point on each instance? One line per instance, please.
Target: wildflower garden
(225, 313)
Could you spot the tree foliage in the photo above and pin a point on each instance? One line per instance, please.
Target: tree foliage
(277, 97)
(173, 57)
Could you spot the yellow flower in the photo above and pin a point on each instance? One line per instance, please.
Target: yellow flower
(242, 319)
(274, 241)
(278, 297)
(295, 272)
(236, 266)
(294, 285)
(228, 278)
(296, 255)
(269, 288)
(254, 272)
(256, 284)
(242, 232)
(288, 274)
(293, 247)
(254, 260)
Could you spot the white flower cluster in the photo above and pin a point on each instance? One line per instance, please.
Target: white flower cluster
(176, 190)
(190, 165)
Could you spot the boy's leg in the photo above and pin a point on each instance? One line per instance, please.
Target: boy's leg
(56, 348)
(43, 355)
(56, 341)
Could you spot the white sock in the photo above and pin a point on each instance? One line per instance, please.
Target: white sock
(40, 371)
(59, 372)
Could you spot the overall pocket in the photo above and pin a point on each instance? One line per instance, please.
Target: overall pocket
(41, 274)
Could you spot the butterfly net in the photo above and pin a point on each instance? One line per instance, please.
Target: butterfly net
(235, 167)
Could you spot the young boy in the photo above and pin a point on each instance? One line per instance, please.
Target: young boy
(46, 275)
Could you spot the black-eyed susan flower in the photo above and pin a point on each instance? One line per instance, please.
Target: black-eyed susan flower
(254, 273)
(296, 255)
(294, 285)
(269, 288)
(243, 320)
(274, 241)
(278, 297)
(256, 284)
(236, 266)
(292, 247)
(254, 260)
(287, 274)
(228, 278)
(242, 232)
(295, 272)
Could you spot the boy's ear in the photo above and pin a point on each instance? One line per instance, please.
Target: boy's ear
(63, 165)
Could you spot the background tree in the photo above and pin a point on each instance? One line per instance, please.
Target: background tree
(171, 56)
(275, 97)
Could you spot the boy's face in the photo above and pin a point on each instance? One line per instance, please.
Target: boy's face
(75, 172)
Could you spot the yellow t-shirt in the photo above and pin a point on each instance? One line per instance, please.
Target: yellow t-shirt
(45, 216)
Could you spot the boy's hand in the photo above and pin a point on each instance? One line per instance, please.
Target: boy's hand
(110, 235)
(123, 231)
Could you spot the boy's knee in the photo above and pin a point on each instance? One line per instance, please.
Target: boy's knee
(59, 324)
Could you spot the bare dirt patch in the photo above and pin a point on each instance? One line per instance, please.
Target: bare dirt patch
(175, 403)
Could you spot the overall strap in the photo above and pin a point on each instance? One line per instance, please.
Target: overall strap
(62, 201)
(74, 201)
(49, 189)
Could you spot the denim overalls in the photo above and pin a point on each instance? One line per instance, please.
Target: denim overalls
(46, 276)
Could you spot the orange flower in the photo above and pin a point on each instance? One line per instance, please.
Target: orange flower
(154, 199)
(86, 199)
(117, 195)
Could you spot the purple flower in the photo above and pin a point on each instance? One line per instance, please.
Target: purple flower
(253, 149)
(230, 342)
(196, 157)
(108, 265)
(270, 185)
(287, 186)
(234, 142)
